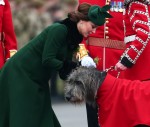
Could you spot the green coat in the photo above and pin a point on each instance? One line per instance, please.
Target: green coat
(24, 90)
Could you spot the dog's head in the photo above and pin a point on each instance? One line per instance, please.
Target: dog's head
(82, 84)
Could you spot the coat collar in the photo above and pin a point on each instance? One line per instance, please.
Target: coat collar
(73, 37)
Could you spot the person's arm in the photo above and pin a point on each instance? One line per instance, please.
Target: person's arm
(139, 16)
(9, 37)
(56, 38)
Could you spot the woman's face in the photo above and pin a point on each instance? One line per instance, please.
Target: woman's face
(86, 27)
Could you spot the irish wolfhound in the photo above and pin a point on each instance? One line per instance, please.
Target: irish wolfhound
(121, 102)
(82, 85)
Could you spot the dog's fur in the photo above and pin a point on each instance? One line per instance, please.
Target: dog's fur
(82, 85)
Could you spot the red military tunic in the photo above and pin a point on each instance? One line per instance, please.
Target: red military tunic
(123, 103)
(136, 56)
(114, 30)
(8, 43)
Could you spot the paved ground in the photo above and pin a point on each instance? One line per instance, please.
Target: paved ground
(70, 115)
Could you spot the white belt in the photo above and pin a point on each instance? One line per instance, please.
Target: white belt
(129, 38)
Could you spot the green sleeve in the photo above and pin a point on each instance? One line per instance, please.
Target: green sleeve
(53, 44)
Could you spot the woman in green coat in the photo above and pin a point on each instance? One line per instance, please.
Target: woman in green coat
(24, 90)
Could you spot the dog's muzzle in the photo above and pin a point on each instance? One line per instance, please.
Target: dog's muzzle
(68, 98)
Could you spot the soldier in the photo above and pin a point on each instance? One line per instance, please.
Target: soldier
(135, 61)
(56, 12)
(70, 5)
(105, 46)
(38, 18)
(137, 39)
(21, 22)
(30, 19)
(8, 42)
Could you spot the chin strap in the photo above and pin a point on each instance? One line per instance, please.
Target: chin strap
(112, 68)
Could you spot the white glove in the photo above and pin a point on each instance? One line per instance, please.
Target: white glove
(88, 62)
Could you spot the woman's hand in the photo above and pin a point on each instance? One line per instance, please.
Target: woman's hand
(87, 61)
(120, 67)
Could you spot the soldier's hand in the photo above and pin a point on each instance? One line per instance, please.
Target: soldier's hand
(120, 67)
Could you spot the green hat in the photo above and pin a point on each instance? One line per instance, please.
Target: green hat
(97, 15)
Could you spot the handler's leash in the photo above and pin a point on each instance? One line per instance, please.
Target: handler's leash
(112, 68)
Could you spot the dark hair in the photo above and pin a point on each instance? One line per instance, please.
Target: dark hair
(81, 13)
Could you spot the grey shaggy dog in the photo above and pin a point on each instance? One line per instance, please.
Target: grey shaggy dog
(82, 85)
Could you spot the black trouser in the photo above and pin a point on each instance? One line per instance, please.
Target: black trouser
(92, 117)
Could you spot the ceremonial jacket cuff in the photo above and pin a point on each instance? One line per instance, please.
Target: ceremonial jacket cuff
(137, 32)
(126, 62)
(10, 53)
